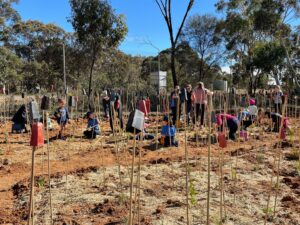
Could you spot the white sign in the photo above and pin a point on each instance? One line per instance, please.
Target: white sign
(138, 120)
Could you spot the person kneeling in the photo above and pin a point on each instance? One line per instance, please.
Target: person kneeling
(92, 126)
(168, 133)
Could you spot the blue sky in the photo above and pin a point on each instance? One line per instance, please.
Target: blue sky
(144, 20)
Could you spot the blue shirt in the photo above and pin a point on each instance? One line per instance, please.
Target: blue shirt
(62, 115)
(168, 131)
(93, 123)
(243, 115)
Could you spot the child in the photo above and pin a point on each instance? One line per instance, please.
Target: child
(232, 123)
(168, 133)
(62, 117)
(19, 120)
(92, 126)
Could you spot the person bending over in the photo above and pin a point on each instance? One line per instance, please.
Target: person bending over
(232, 124)
(274, 119)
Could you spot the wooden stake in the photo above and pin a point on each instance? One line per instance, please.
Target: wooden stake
(49, 171)
(279, 154)
(31, 201)
(130, 222)
(208, 160)
(186, 168)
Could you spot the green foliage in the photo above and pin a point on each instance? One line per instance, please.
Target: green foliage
(267, 211)
(202, 35)
(193, 192)
(10, 66)
(98, 28)
(297, 166)
(260, 158)
(41, 182)
(233, 174)
(267, 56)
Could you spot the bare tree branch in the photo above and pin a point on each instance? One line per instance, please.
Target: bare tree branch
(191, 3)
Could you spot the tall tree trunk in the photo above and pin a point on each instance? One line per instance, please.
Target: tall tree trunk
(201, 69)
(250, 84)
(173, 66)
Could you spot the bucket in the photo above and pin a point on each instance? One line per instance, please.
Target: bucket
(222, 140)
(37, 135)
(282, 134)
(244, 135)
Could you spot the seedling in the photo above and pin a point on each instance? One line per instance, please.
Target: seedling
(6, 137)
(297, 166)
(260, 158)
(122, 199)
(294, 155)
(233, 174)
(193, 192)
(267, 211)
(41, 182)
(1, 151)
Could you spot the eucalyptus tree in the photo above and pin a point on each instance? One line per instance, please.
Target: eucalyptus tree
(98, 28)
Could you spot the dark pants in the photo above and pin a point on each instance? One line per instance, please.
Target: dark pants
(200, 109)
(170, 142)
(276, 123)
(119, 116)
(106, 110)
(233, 127)
(188, 111)
(90, 134)
(174, 115)
(247, 123)
(277, 108)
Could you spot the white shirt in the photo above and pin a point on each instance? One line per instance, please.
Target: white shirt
(252, 109)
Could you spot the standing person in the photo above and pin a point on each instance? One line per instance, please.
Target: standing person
(105, 104)
(277, 98)
(200, 101)
(62, 117)
(189, 102)
(232, 123)
(92, 126)
(115, 107)
(175, 104)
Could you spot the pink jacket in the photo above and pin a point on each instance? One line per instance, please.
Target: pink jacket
(220, 118)
(200, 96)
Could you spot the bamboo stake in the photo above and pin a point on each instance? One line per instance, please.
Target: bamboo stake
(49, 172)
(269, 195)
(156, 130)
(208, 161)
(279, 154)
(31, 201)
(186, 167)
(130, 222)
(139, 178)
